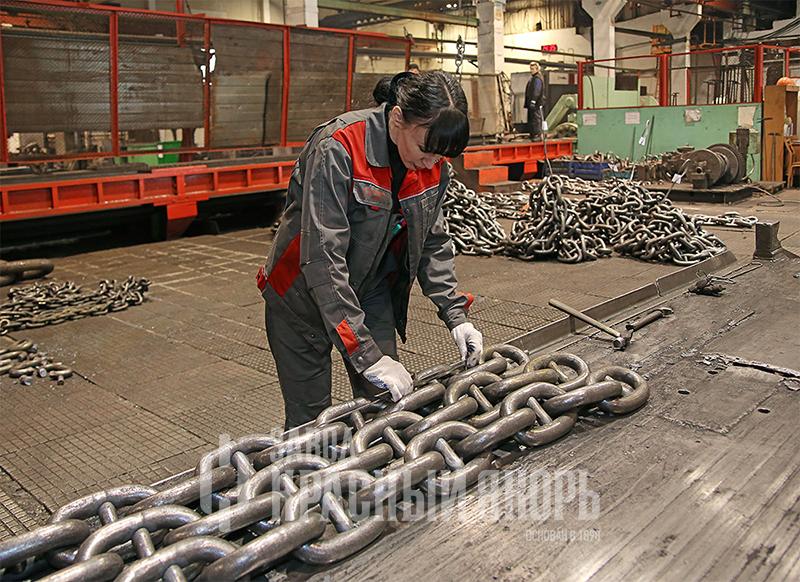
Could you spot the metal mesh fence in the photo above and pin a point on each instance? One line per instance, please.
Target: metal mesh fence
(56, 81)
(247, 85)
(794, 63)
(317, 87)
(161, 75)
(91, 82)
(774, 65)
(374, 59)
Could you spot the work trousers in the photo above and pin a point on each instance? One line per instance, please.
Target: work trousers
(305, 372)
(535, 122)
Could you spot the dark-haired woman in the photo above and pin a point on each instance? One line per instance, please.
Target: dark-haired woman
(363, 221)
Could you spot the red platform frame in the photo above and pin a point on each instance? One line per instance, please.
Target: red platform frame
(179, 189)
(514, 153)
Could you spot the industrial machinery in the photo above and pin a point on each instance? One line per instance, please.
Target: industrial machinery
(717, 165)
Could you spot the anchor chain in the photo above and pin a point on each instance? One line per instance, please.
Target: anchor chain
(575, 220)
(322, 493)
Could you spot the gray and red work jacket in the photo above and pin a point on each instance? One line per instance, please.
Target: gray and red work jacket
(336, 229)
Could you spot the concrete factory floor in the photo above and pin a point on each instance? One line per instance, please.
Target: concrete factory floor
(693, 485)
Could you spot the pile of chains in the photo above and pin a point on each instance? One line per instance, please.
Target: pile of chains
(612, 216)
(510, 205)
(730, 219)
(618, 215)
(325, 493)
(471, 221)
(23, 361)
(50, 303)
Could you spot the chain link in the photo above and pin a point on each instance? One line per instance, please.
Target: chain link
(13, 271)
(51, 303)
(321, 493)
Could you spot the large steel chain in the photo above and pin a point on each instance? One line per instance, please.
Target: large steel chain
(618, 215)
(322, 493)
(575, 220)
(13, 271)
(471, 221)
(50, 303)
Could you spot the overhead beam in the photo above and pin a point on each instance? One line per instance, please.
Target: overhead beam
(647, 33)
(382, 10)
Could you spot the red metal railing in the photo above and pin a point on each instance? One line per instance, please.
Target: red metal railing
(727, 75)
(197, 40)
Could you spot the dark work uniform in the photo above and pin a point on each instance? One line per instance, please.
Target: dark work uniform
(534, 103)
(377, 303)
(357, 231)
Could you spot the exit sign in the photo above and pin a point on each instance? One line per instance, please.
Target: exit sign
(549, 48)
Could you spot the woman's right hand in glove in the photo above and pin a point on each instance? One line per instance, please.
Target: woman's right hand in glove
(391, 375)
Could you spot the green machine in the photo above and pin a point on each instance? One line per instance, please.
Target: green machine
(636, 132)
(561, 119)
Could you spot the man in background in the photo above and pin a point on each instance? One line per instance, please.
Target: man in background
(534, 101)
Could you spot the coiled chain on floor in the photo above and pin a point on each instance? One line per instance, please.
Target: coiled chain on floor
(612, 216)
(260, 498)
(50, 303)
(22, 360)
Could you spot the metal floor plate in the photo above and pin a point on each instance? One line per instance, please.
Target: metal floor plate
(157, 384)
(259, 410)
(14, 520)
(55, 470)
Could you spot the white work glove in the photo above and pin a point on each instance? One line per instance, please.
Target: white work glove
(391, 375)
(470, 343)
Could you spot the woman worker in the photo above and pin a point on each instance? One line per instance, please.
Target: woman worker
(363, 221)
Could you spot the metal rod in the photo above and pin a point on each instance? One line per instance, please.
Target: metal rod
(663, 71)
(285, 94)
(688, 100)
(351, 49)
(3, 120)
(113, 65)
(180, 25)
(759, 74)
(584, 318)
(207, 85)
